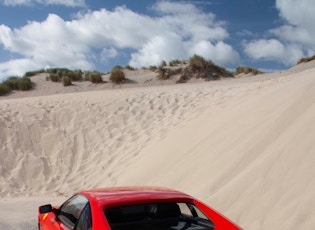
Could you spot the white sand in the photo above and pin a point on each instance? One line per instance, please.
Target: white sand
(245, 146)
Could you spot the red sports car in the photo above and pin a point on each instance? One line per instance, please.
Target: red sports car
(132, 208)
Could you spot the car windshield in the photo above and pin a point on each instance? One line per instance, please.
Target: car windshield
(158, 216)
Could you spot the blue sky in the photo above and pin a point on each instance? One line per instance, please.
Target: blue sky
(99, 34)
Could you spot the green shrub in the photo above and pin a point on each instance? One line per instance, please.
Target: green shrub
(197, 63)
(33, 73)
(4, 89)
(152, 67)
(87, 75)
(162, 74)
(163, 64)
(57, 70)
(117, 76)
(129, 67)
(94, 77)
(246, 70)
(24, 84)
(117, 67)
(12, 83)
(66, 81)
(167, 73)
(54, 77)
(75, 75)
(16, 83)
(174, 62)
(182, 79)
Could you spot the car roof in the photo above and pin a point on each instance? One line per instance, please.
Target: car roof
(134, 195)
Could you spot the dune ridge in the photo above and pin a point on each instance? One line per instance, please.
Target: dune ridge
(244, 146)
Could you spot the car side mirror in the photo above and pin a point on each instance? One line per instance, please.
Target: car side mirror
(45, 208)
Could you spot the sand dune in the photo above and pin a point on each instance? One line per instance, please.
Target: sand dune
(244, 146)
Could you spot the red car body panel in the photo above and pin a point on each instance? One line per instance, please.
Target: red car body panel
(101, 199)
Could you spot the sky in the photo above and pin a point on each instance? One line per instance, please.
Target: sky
(97, 35)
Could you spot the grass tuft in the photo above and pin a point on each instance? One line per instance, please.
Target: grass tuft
(246, 70)
(306, 59)
(117, 76)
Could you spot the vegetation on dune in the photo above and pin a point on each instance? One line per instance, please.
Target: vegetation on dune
(182, 71)
(246, 70)
(66, 81)
(129, 67)
(33, 73)
(175, 62)
(15, 83)
(63, 75)
(117, 75)
(306, 59)
(58, 74)
(197, 67)
(4, 89)
(206, 67)
(94, 77)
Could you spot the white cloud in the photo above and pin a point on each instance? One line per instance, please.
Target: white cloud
(273, 49)
(70, 3)
(220, 53)
(264, 48)
(51, 42)
(299, 13)
(17, 67)
(162, 47)
(290, 41)
(179, 31)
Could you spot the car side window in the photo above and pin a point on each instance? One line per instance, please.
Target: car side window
(71, 210)
(85, 219)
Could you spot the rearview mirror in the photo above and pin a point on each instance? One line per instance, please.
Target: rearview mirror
(45, 208)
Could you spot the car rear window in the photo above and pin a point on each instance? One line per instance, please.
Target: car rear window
(159, 216)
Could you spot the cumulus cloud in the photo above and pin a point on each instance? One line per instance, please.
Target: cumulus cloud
(273, 49)
(17, 67)
(290, 41)
(178, 31)
(70, 3)
(220, 52)
(298, 13)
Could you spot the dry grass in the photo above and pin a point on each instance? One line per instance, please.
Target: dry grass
(307, 59)
(117, 76)
(246, 70)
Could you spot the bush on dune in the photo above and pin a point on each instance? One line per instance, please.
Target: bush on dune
(117, 76)
(54, 77)
(57, 70)
(75, 75)
(94, 77)
(175, 62)
(66, 81)
(15, 83)
(18, 83)
(246, 70)
(206, 69)
(129, 67)
(33, 73)
(197, 63)
(59, 74)
(4, 89)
